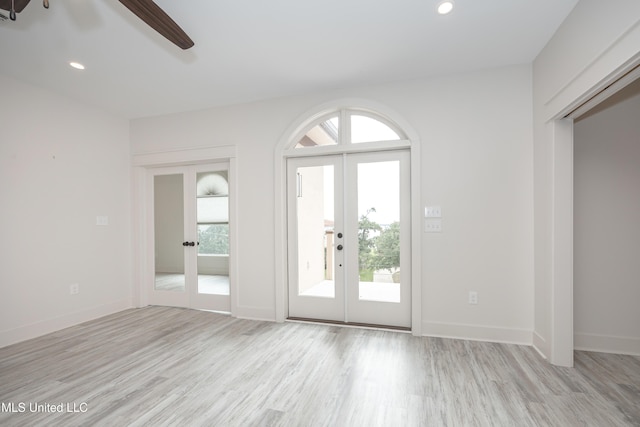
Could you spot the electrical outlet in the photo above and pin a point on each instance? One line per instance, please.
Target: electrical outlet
(74, 289)
(432, 226)
(473, 297)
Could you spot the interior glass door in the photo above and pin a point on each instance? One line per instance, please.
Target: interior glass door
(169, 263)
(212, 291)
(190, 218)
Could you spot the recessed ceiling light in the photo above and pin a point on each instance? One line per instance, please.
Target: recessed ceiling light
(445, 7)
(77, 65)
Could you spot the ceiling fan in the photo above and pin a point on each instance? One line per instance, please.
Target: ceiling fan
(146, 10)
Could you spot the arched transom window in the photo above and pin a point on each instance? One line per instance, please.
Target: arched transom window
(346, 127)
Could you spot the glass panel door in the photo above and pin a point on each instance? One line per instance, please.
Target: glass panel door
(316, 238)
(169, 231)
(167, 221)
(190, 218)
(212, 234)
(349, 238)
(378, 290)
(378, 187)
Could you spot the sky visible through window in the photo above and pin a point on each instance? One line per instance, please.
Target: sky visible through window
(378, 187)
(378, 182)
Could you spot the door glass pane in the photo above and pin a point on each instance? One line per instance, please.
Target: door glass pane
(324, 133)
(315, 221)
(168, 213)
(379, 231)
(366, 129)
(212, 204)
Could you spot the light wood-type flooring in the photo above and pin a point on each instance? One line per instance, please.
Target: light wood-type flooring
(160, 366)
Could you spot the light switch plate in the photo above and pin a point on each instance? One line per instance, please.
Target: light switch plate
(433, 212)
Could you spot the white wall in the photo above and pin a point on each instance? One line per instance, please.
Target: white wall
(61, 165)
(607, 226)
(595, 41)
(476, 136)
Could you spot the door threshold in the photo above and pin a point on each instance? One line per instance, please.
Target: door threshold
(350, 324)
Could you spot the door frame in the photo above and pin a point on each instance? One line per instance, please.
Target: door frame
(346, 306)
(143, 250)
(553, 260)
(412, 143)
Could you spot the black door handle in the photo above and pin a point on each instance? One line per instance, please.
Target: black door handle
(339, 247)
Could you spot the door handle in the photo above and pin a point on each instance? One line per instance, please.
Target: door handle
(339, 247)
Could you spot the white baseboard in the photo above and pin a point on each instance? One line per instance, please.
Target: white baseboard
(47, 326)
(254, 313)
(606, 344)
(477, 333)
(540, 345)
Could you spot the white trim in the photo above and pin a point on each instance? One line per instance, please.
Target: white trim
(368, 147)
(477, 333)
(416, 233)
(253, 313)
(578, 89)
(139, 235)
(540, 344)
(280, 227)
(607, 344)
(189, 156)
(562, 246)
(54, 324)
(619, 83)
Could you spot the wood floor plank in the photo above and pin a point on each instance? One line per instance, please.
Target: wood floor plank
(160, 366)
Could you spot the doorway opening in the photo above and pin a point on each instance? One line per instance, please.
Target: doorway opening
(562, 329)
(606, 231)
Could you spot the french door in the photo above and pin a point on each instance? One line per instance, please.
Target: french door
(349, 238)
(189, 222)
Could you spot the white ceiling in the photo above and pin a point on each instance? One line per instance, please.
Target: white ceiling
(248, 50)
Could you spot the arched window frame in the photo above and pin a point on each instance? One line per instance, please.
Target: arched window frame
(344, 143)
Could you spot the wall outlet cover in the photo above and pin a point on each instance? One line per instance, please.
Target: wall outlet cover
(433, 226)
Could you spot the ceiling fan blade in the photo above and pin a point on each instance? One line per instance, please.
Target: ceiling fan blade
(157, 19)
(18, 4)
